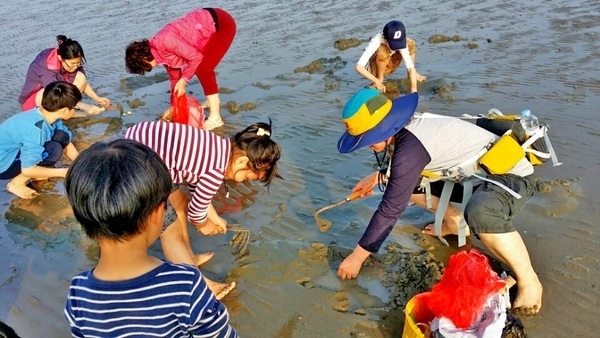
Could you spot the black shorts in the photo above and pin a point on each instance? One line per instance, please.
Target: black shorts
(170, 214)
(491, 209)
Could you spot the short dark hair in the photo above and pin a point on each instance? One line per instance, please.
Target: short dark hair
(60, 94)
(263, 153)
(69, 49)
(114, 187)
(137, 56)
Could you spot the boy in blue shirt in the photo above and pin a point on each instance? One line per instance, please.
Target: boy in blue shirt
(33, 141)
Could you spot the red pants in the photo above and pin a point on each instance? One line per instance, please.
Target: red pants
(216, 48)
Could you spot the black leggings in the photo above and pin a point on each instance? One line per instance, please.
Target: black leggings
(53, 151)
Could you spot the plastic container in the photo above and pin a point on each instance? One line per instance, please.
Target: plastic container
(494, 113)
(529, 122)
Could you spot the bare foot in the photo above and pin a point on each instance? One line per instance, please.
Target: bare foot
(220, 289)
(20, 190)
(421, 78)
(202, 258)
(529, 298)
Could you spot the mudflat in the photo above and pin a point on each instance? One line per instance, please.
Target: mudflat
(294, 62)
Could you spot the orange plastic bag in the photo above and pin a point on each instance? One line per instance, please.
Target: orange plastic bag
(187, 110)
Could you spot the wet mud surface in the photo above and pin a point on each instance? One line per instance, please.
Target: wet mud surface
(300, 74)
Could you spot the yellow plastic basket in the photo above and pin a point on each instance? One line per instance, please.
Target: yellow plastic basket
(416, 313)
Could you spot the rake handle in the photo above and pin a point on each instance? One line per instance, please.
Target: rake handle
(353, 196)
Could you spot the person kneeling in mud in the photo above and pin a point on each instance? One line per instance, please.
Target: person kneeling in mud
(413, 145)
(119, 191)
(386, 50)
(63, 63)
(203, 160)
(33, 141)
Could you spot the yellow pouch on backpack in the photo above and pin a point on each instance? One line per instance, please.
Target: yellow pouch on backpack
(504, 154)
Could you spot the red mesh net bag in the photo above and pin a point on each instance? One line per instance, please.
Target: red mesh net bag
(187, 110)
(466, 284)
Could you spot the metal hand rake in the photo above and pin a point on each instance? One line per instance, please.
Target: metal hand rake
(323, 224)
(240, 240)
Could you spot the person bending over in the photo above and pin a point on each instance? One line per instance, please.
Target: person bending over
(386, 50)
(203, 160)
(443, 143)
(192, 44)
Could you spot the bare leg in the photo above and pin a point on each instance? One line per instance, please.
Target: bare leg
(177, 248)
(84, 87)
(178, 251)
(200, 258)
(420, 78)
(18, 186)
(511, 250)
(81, 82)
(451, 217)
(174, 246)
(179, 202)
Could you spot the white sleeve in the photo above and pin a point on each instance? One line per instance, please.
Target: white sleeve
(370, 50)
(406, 58)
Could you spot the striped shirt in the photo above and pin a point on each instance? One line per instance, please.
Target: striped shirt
(197, 157)
(172, 300)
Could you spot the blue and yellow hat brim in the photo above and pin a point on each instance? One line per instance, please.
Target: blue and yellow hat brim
(401, 111)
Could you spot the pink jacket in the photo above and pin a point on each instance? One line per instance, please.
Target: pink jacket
(179, 45)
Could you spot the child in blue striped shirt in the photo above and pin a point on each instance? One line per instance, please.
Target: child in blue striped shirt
(118, 191)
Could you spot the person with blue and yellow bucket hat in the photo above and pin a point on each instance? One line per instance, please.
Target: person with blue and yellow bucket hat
(409, 146)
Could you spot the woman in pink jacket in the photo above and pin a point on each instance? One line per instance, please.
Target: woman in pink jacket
(192, 44)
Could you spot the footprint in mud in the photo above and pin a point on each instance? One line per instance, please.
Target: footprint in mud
(340, 300)
(556, 197)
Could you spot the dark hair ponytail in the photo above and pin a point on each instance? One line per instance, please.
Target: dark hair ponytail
(69, 49)
(60, 39)
(263, 153)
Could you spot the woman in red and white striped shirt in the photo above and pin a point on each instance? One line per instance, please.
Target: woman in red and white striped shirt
(202, 160)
